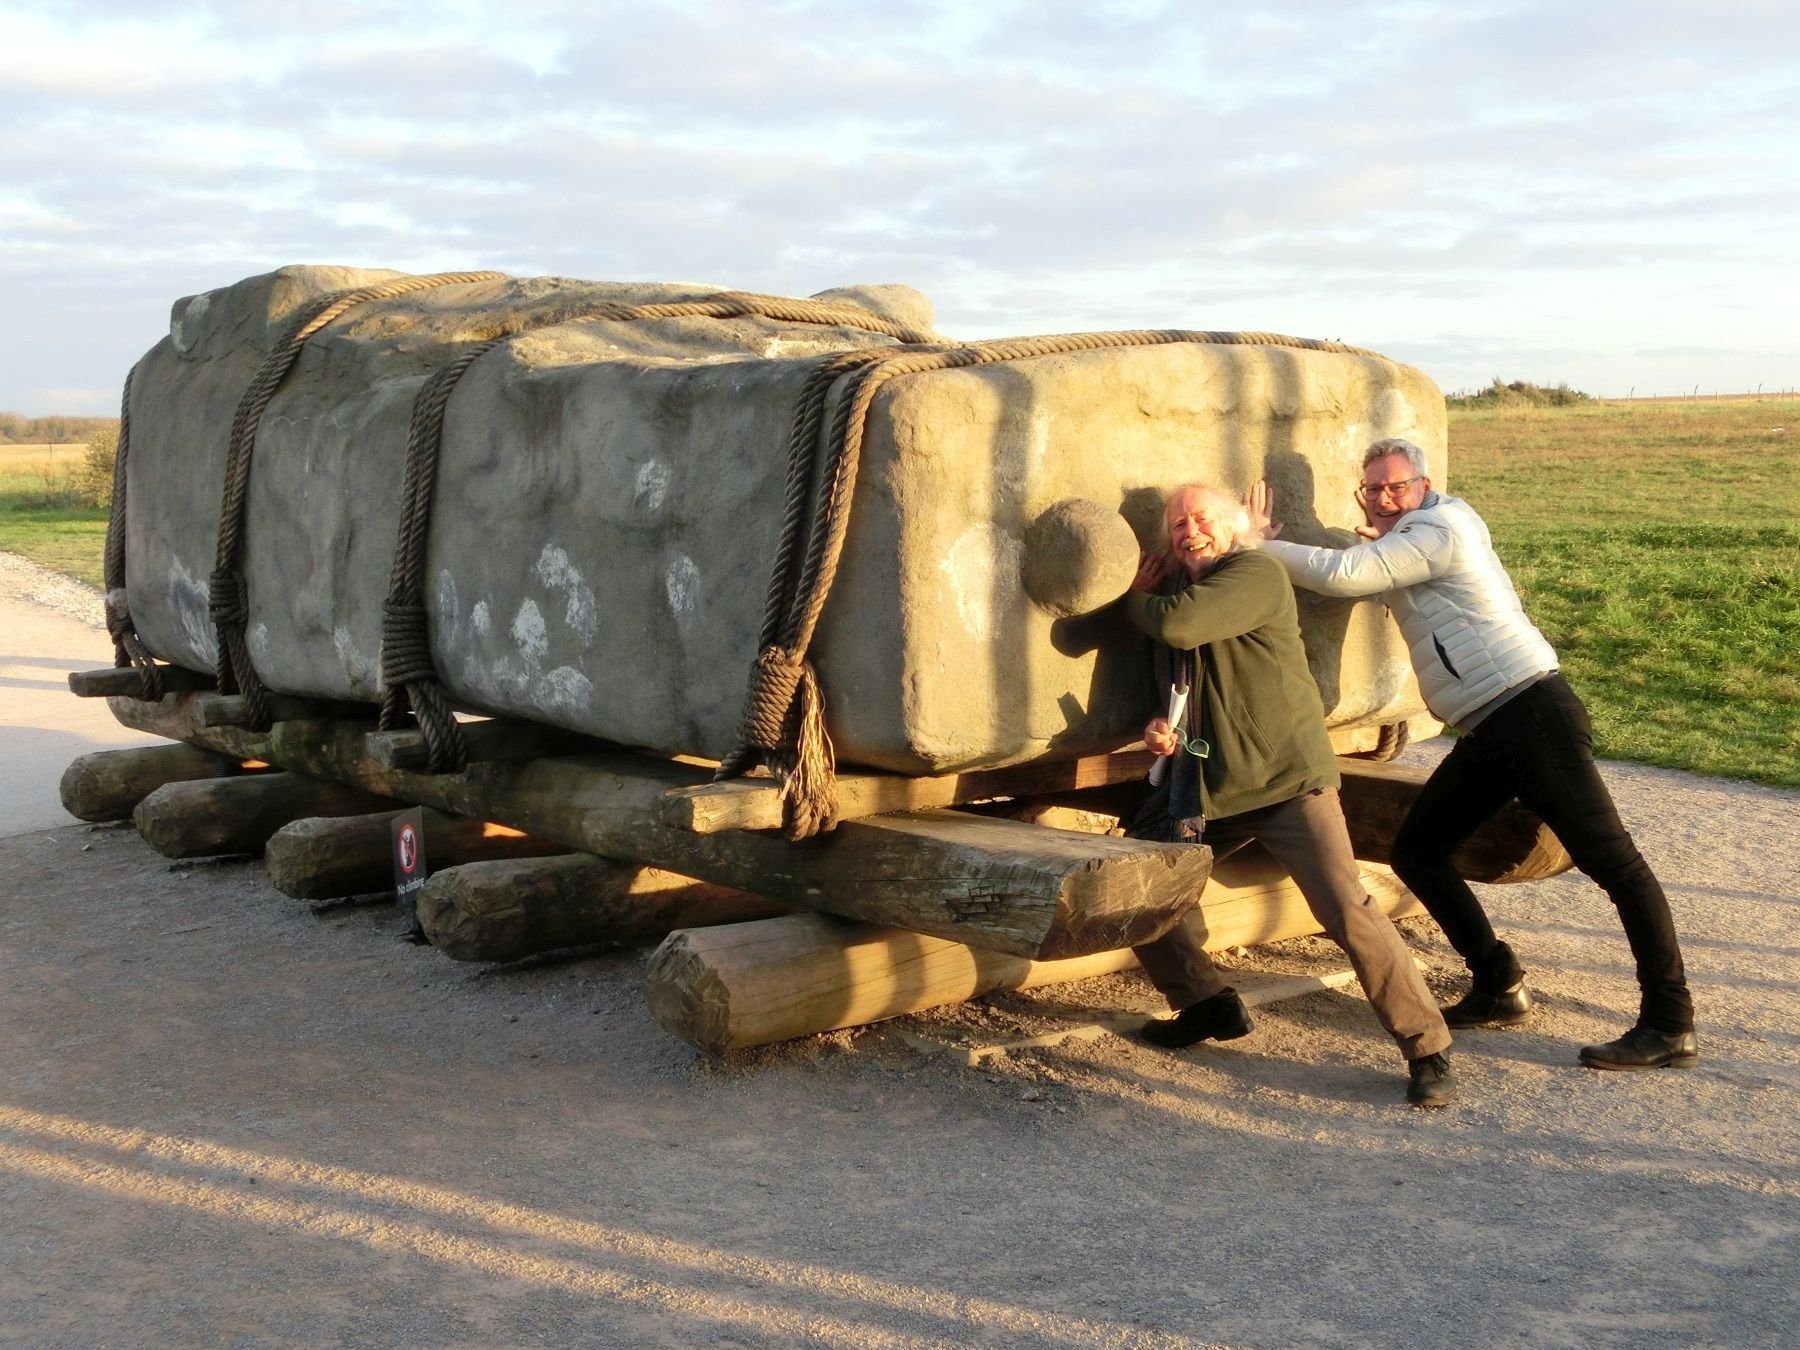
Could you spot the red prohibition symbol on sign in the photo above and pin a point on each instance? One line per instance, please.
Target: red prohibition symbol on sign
(409, 849)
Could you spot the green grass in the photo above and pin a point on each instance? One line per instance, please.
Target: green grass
(1658, 547)
(39, 518)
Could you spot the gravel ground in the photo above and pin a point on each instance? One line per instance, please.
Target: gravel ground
(23, 580)
(230, 1118)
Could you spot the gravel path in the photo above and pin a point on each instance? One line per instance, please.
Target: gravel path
(24, 580)
(228, 1118)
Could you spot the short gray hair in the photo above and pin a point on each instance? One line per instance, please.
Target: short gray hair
(1393, 445)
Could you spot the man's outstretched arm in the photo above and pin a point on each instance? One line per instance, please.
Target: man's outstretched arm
(1416, 551)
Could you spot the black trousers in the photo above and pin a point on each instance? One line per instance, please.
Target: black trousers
(1540, 749)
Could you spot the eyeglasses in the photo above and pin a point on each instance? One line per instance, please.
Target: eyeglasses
(1196, 746)
(1369, 491)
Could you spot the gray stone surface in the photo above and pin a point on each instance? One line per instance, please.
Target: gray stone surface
(609, 500)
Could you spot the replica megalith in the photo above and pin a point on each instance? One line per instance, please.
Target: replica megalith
(607, 500)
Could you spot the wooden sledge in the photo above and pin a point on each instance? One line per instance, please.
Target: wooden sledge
(929, 901)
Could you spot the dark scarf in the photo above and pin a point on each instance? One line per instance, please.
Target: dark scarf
(1171, 812)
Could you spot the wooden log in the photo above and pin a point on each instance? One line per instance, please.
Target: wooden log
(995, 883)
(108, 784)
(756, 983)
(237, 815)
(125, 680)
(504, 910)
(755, 803)
(322, 857)
(1512, 845)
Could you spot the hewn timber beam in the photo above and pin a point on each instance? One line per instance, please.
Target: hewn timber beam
(492, 738)
(233, 710)
(177, 716)
(1513, 844)
(751, 984)
(755, 803)
(126, 680)
(993, 883)
(505, 910)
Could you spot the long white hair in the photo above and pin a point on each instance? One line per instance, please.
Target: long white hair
(1226, 507)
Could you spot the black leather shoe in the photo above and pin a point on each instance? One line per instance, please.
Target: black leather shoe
(1490, 1007)
(1223, 1017)
(1644, 1048)
(1430, 1082)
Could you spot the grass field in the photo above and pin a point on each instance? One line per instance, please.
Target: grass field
(1656, 544)
(38, 515)
(1658, 547)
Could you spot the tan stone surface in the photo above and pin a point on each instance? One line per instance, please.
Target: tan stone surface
(609, 501)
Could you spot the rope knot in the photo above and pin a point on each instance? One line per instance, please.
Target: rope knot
(770, 702)
(405, 645)
(225, 599)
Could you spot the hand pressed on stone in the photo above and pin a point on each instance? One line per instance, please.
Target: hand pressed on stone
(1151, 570)
(1259, 502)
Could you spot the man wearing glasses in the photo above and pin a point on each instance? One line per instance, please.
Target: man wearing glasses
(1249, 759)
(1484, 669)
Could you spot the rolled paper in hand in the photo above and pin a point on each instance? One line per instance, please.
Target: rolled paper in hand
(1178, 697)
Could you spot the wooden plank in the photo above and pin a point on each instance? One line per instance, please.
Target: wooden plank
(756, 983)
(755, 804)
(488, 739)
(508, 909)
(1020, 888)
(125, 681)
(233, 710)
(322, 857)
(177, 716)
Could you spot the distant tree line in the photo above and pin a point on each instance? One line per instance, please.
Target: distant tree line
(1519, 392)
(17, 430)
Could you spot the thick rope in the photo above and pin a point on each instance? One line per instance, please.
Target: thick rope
(226, 595)
(783, 722)
(407, 672)
(1393, 738)
(128, 647)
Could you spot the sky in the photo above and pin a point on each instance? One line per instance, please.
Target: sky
(1603, 194)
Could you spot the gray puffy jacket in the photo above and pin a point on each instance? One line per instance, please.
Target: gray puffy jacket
(1461, 618)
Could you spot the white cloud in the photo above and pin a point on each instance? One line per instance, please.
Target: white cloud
(1382, 172)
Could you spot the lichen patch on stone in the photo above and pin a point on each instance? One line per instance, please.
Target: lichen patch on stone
(529, 631)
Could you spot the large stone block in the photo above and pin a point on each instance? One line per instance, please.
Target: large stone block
(609, 499)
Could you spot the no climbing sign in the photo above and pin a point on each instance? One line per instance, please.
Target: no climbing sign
(409, 858)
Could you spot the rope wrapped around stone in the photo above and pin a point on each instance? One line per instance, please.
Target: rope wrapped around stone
(1392, 740)
(409, 678)
(802, 761)
(128, 647)
(231, 616)
(407, 671)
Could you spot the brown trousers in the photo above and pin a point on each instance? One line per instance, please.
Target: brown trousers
(1308, 837)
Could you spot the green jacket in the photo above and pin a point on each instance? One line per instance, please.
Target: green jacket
(1254, 698)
